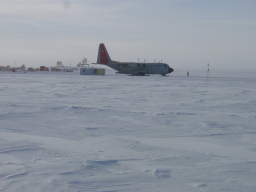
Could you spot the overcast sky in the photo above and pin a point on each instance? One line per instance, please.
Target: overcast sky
(184, 33)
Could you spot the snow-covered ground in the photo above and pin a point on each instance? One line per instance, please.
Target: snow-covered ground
(120, 133)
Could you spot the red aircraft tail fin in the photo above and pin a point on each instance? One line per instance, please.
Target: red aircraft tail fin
(103, 56)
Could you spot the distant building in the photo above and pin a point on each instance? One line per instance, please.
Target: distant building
(5, 68)
(44, 68)
(59, 64)
(31, 69)
(82, 63)
(60, 67)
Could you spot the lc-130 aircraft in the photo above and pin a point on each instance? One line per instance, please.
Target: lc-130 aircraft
(132, 68)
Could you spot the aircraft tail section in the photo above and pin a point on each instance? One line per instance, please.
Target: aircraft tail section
(103, 56)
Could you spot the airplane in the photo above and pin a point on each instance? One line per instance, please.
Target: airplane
(132, 68)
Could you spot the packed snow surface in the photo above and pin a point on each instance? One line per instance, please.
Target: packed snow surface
(116, 133)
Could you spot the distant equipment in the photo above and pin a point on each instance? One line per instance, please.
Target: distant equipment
(208, 67)
(88, 70)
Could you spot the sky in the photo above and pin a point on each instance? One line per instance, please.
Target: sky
(186, 34)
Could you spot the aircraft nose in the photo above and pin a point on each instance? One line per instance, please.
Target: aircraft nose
(170, 70)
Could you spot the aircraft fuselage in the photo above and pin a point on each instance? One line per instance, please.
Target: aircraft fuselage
(134, 68)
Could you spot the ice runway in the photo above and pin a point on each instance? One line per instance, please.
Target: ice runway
(119, 133)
